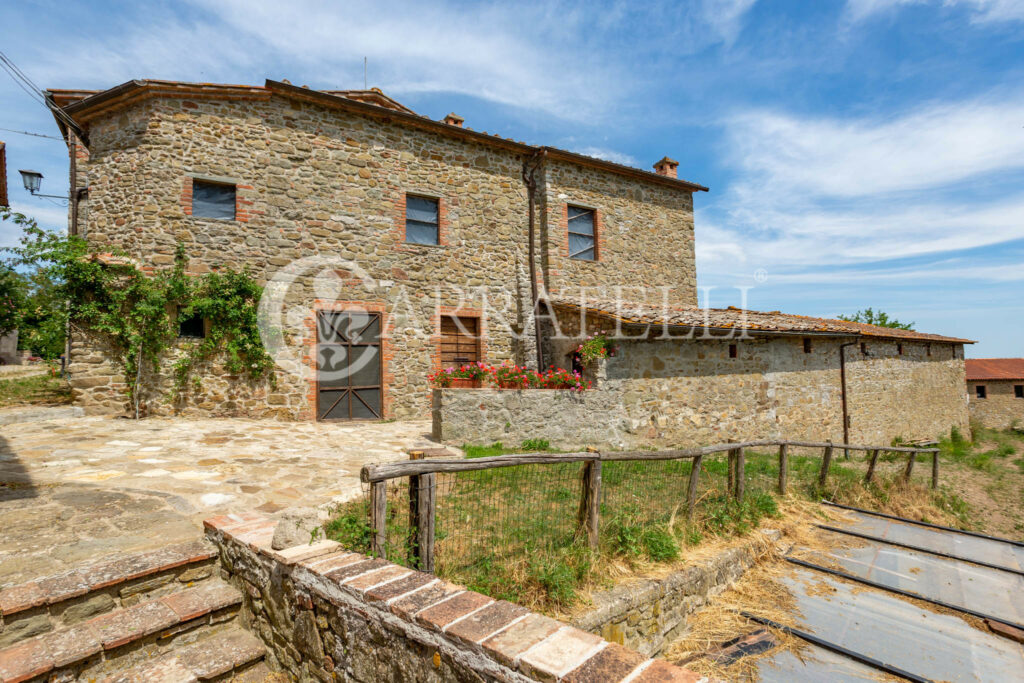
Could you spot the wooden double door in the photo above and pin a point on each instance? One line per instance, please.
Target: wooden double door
(349, 366)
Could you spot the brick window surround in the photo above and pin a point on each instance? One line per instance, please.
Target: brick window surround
(599, 240)
(243, 204)
(386, 351)
(443, 225)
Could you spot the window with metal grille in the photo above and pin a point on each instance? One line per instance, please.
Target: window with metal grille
(460, 340)
(980, 392)
(582, 235)
(421, 220)
(213, 200)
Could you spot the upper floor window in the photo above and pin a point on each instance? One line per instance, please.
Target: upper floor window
(807, 345)
(980, 392)
(421, 220)
(213, 200)
(1018, 390)
(582, 238)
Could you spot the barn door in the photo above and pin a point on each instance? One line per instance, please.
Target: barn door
(348, 366)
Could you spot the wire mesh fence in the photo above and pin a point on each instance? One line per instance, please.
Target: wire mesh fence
(504, 526)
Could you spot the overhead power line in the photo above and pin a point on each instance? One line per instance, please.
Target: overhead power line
(36, 135)
(34, 91)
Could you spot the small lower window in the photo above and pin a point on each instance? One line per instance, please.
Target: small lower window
(899, 349)
(807, 345)
(734, 351)
(1018, 390)
(191, 327)
(980, 392)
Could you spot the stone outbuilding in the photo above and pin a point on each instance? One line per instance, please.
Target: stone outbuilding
(995, 388)
(391, 245)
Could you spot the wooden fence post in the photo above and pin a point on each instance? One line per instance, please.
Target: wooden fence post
(414, 509)
(741, 473)
(910, 466)
(378, 514)
(826, 460)
(871, 466)
(783, 468)
(427, 501)
(590, 501)
(691, 491)
(731, 483)
(935, 470)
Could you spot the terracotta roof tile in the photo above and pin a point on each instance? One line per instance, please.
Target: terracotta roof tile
(739, 319)
(995, 368)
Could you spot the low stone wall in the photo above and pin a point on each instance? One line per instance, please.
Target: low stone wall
(667, 393)
(327, 614)
(647, 615)
(567, 419)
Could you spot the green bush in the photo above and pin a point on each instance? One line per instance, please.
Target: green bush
(659, 545)
(532, 445)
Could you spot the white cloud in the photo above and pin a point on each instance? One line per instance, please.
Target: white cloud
(726, 17)
(935, 145)
(980, 11)
(609, 155)
(813, 191)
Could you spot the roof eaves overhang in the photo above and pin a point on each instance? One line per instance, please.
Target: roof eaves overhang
(754, 331)
(96, 104)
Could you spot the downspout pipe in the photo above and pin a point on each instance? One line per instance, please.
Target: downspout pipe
(846, 410)
(530, 166)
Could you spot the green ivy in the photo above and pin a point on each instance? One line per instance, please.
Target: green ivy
(136, 312)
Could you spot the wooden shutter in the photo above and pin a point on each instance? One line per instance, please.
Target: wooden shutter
(460, 340)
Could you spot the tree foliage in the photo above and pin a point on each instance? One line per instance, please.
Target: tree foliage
(137, 312)
(879, 318)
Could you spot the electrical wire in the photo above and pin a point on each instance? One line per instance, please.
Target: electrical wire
(33, 90)
(36, 135)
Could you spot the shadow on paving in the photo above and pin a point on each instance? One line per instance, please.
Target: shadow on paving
(66, 525)
(15, 481)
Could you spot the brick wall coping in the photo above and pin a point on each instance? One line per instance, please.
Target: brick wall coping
(499, 638)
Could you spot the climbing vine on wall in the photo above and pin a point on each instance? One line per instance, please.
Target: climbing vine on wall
(138, 312)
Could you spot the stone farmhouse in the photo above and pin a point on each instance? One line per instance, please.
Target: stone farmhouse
(396, 245)
(995, 388)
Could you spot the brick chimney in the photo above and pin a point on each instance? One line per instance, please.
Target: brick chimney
(454, 119)
(667, 167)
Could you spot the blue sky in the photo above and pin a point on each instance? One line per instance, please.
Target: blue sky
(859, 152)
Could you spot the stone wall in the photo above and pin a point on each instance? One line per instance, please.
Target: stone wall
(1001, 409)
(690, 392)
(9, 349)
(648, 614)
(567, 419)
(330, 615)
(326, 188)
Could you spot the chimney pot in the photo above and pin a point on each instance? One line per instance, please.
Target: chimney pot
(667, 167)
(454, 119)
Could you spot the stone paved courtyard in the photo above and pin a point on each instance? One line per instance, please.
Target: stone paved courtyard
(79, 488)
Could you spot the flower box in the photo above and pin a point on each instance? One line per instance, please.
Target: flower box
(460, 383)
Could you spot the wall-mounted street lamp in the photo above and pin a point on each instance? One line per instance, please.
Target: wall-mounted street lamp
(33, 180)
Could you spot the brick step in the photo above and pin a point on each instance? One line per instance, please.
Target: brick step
(228, 655)
(50, 603)
(108, 643)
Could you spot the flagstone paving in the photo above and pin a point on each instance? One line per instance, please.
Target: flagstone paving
(76, 488)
